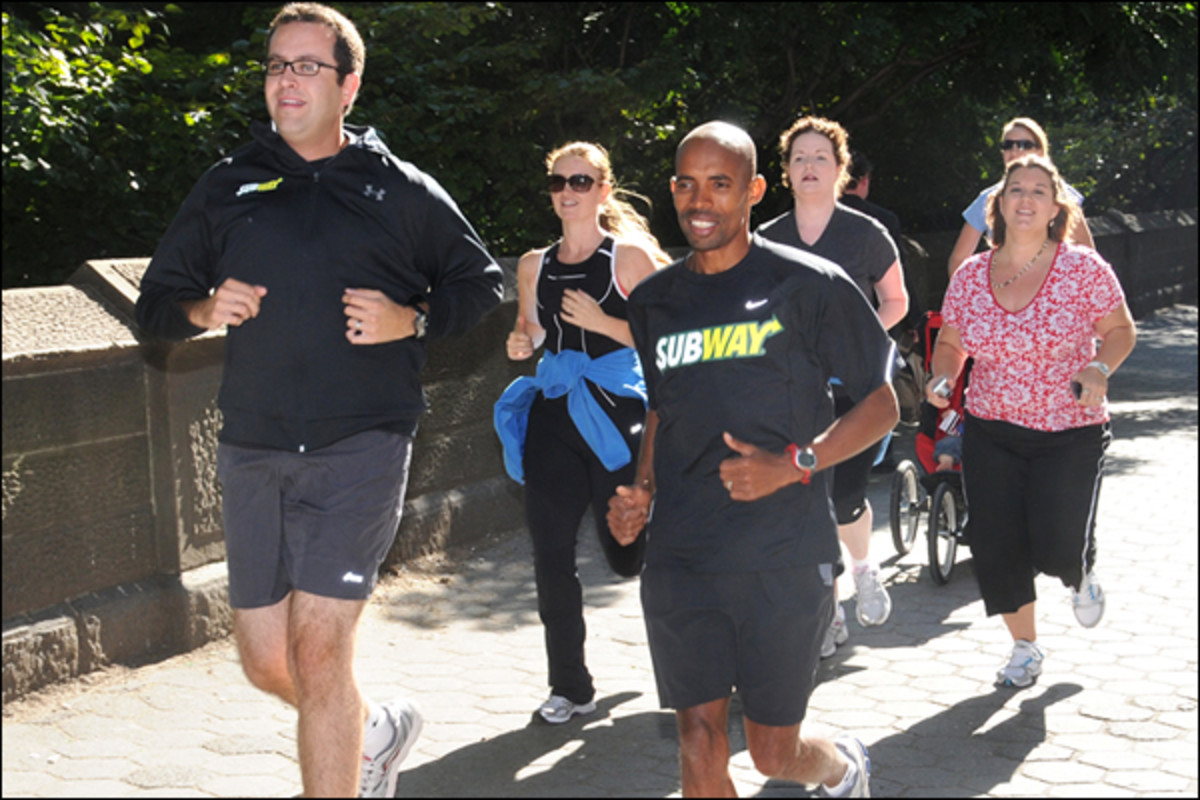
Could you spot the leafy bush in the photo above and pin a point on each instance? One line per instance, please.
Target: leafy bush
(111, 113)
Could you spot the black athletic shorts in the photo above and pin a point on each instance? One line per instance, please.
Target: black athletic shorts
(321, 522)
(758, 632)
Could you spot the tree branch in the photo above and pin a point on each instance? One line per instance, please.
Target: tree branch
(927, 68)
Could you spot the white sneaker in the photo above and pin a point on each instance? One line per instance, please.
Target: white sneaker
(836, 634)
(559, 709)
(1023, 667)
(856, 753)
(381, 771)
(1088, 601)
(872, 605)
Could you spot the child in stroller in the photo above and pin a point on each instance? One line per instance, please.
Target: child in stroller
(934, 484)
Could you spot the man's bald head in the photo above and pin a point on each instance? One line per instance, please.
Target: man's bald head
(730, 137)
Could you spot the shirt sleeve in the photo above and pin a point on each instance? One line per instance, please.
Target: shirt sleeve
(954, 301)
(1100, 285)
(1075, 194)
(182, 268)
(976, 213)
(635, 313)
(851, 342)
(883, 252)
(465, 283)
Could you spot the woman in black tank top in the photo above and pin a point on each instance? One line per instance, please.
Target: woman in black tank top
(572, 298)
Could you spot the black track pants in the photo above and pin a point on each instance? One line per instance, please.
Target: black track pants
(562, 479)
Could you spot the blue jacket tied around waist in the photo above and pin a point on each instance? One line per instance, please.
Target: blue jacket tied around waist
(619, 372)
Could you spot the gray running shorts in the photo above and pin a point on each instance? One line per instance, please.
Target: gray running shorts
(757, 632)
(321, 522)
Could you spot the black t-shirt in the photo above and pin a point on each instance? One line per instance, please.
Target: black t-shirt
(749, 351)
(887, 218)
(854, 241)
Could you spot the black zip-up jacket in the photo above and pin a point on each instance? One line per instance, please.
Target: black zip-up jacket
(307, 231)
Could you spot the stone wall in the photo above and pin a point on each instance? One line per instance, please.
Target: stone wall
(113, 547)
(112, 542)
(1154, 255)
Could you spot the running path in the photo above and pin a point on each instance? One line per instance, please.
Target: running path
(1114, 714)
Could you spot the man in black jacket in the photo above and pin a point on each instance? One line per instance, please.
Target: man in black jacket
(331, 262)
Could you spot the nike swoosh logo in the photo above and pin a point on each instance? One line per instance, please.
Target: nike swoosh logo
(753, 304)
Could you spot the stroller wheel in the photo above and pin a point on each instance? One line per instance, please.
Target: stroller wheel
(942, 534)
(905, 508)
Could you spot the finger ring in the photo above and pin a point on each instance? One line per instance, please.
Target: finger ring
(729, 486)
(358, 324)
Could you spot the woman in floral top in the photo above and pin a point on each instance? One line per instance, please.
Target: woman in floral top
(1029, 311)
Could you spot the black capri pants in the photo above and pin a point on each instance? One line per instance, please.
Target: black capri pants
(850, 477)
(1032, 502)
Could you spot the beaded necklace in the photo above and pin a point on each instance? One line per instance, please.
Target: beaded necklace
(1023, 270)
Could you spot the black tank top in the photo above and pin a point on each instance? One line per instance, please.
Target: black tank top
(597, 276)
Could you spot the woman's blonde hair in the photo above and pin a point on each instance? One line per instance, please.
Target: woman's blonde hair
(1063, 223)
(1034, 129)
(617, 216)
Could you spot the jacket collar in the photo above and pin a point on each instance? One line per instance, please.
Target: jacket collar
(362, 137)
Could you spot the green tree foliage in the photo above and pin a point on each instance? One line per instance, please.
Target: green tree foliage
(106, 127)
(110, 115)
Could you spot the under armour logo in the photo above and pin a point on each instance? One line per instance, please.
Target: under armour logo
(377, 194)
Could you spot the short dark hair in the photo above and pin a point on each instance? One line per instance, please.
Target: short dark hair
(860, 167)
(348, 49)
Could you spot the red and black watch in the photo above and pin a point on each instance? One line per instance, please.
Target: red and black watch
(804, 460)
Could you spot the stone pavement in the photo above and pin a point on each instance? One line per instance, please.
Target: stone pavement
(1114, 714)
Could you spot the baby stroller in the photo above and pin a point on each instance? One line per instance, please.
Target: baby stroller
(920, 488)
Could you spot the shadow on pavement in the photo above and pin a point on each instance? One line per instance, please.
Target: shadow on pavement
(953, 742)
(493, 583)
(604, 755)
(921, 612)
(948, 753)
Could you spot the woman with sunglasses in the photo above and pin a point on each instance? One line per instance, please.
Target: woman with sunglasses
(1021, 137)
(816, 166)
(571, 433)
(1030, 313)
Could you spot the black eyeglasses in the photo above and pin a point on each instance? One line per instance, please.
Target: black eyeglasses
(305, 67)
(580, 184)
(1020, 144)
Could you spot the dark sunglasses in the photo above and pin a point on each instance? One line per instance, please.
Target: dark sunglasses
(579, 183)
(1020, 144)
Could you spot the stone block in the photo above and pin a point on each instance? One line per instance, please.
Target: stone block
(48, 322)
(130, 623)
(38, 653)
(85, 402)
(75, 486)
(51, 565)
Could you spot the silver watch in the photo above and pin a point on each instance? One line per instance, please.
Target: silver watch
(420, 324)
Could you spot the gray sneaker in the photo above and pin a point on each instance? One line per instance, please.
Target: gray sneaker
(1088, 601)
(381, 771)
(872, 605)
(1023, 667)
(836, 634)
(856, 753)
(558, 709)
